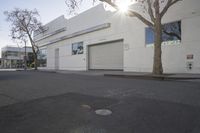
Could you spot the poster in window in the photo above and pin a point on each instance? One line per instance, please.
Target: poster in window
(77, 48)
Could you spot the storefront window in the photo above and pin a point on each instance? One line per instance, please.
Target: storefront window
(42, 58)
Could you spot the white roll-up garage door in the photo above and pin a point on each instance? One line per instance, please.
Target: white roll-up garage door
(106, 56)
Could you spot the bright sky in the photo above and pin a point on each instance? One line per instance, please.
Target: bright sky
(48, 10)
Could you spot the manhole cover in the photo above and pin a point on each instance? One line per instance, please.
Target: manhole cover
(103, 112)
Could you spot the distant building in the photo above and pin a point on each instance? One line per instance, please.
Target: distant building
(99, 39)
(13, 57)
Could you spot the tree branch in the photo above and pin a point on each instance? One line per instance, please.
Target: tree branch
(150, 11)
(172, 34)
(140, 17)
(168, 5)
(110, 3)
(130, 13)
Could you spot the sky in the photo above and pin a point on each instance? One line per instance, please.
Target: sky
(48, 10)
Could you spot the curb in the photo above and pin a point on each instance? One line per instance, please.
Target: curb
(151, 77)
(45, 71)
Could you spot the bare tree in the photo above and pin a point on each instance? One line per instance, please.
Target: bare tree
(150, 13)
(23, 24)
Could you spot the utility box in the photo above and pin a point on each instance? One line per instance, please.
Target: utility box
(189, 65)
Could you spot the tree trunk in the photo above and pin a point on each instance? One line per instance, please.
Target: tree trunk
(35, 61)
(157, 64)
(34, 52)
(25, 58)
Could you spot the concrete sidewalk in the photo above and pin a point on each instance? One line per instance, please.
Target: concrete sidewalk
(136, 75)
(8, 70)
(13, 69)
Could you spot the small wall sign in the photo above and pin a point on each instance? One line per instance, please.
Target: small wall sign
(190, 56)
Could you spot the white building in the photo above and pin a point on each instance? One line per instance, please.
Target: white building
(99, 39)
(13, 57)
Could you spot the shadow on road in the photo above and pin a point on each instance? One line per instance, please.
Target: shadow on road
(75, 113)
(13, 76)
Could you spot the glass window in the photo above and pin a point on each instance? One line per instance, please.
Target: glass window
(13, 53)
(42, 58)
(149, 34)
(171, 33)
(3, 54)
(77, 48)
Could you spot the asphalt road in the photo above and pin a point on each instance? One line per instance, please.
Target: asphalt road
(42, 102)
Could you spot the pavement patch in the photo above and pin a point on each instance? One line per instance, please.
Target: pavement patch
(85, 106)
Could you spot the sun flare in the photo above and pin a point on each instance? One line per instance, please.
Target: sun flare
(123, 5)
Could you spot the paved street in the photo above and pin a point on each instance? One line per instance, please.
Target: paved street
(44, 102)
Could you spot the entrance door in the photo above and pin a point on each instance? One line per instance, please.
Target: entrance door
(57, 58)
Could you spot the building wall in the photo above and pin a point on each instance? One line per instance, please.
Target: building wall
(137, 56)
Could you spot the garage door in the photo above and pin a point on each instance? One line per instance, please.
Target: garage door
(106, 56)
